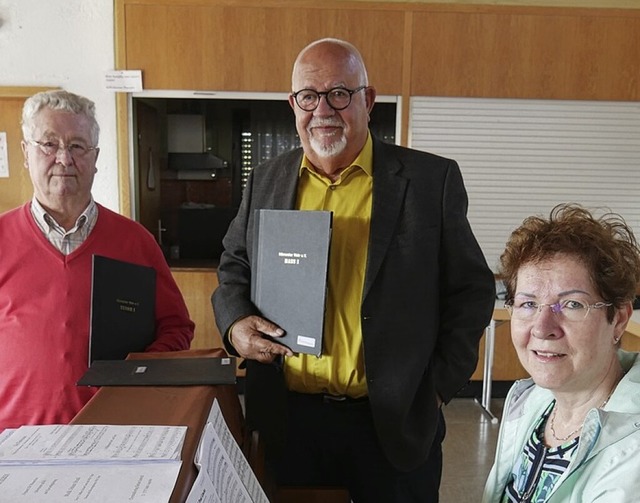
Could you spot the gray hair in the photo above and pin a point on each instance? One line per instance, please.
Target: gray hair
(59, 100)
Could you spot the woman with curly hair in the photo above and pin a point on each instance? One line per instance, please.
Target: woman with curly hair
(571, 433)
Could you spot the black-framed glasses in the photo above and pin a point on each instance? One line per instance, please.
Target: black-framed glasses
(337, 98)
(76, 149)
(569, 309)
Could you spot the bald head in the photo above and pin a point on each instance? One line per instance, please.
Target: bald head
(330, 50)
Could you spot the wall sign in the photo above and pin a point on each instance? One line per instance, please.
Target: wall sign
(4, 156)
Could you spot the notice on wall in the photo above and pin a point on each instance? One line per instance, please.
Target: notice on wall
(123, 81)
(4, 156)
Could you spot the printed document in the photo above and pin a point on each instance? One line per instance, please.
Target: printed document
(109, 483)
(91, 442)
(224, 473)
(110, 464)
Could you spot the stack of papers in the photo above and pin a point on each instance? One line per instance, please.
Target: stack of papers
(59, 463)
(224, 473)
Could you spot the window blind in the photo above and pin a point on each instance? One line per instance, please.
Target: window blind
(522, 157)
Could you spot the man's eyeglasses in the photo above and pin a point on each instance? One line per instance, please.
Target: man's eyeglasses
(77, 150)
(570, 310)
(338, 98)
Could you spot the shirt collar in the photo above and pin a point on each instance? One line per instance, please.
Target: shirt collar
(45, 221)
(364, 160)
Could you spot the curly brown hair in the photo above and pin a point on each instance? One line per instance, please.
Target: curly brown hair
(606, 246)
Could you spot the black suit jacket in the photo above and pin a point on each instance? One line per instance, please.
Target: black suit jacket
(428, 295)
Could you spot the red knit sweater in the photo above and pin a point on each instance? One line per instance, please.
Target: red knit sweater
(45, 300)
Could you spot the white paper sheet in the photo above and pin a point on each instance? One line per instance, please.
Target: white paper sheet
(96, 463)
(221, 460)
(110, 483)
(88, 443)
(202, 490)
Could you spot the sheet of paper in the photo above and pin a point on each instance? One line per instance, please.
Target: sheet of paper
(236, 455)
(106, 483)
(220, 457)
(124, 81)
(213, 460)
(85, 443)
(4, 435)
(202, 490)
(4, 156)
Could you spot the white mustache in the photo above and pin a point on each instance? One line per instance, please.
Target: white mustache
(319, 122)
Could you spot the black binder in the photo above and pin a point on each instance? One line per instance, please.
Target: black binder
(290, 263)
(161, 372)
(123, 298)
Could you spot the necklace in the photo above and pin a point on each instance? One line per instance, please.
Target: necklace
(553, 431)
(553, 420)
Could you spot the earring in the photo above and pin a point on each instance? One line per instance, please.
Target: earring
(616, 340)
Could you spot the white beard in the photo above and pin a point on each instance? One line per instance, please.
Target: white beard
(323, 150)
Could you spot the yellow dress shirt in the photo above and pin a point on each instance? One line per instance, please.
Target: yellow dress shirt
(340, 369)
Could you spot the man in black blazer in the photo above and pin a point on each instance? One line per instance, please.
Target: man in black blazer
(409, 298)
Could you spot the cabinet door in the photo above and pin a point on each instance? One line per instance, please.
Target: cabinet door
(233, 48)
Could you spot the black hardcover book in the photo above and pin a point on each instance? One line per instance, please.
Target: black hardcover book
(161, 372)
(289, 274)
(123, 301)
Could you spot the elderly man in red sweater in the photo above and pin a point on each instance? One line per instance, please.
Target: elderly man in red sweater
(45, 267)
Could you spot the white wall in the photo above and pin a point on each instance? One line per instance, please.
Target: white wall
(67, 44)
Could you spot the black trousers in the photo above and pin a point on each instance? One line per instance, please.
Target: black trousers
(334, 443)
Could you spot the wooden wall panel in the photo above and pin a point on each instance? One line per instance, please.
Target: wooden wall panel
(233, 48)
(196, 287)
(543, 53)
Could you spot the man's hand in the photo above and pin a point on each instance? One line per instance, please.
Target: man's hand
(247, 336)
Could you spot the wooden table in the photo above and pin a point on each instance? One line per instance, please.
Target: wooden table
(168, 405)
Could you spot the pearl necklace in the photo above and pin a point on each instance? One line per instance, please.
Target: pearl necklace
(553, 420)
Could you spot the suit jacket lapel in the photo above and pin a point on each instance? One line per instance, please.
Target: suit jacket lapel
(388, 195)
(284, 190)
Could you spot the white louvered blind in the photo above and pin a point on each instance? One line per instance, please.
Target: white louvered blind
(522, 157)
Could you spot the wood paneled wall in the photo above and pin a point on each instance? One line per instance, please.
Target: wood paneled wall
(196, 286)
(423, 48)
(232, 48)
(527, 53)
